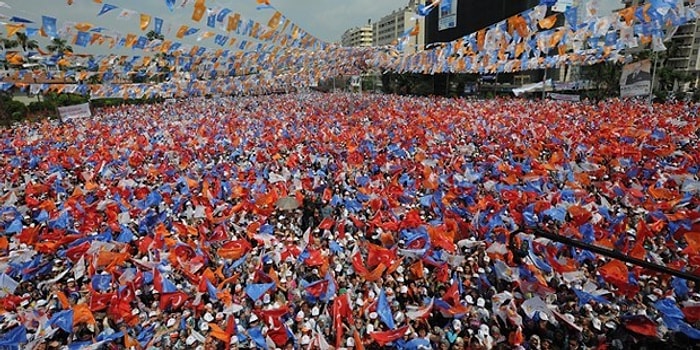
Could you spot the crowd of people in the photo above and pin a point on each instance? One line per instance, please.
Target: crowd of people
(320, 221)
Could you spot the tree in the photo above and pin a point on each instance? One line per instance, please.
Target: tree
(59, 46)
(25, 43)
(152, 35)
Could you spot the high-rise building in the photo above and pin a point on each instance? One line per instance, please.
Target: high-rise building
(358, 36)
(389, 29)
(682, 49)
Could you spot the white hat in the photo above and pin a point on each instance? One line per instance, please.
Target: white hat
(457, 325)
(152, 314)
(400, 269)
(543, 316)
(171, 322)
(370, 328)
(596, 323)
(481, 270)
(373, 315)
(266, 298)
(480, 302)
(41, 303)
(359, 301)
(253, 318)
(469, 299)
(403, 290)
(400, 279)
(208, 317)
(305, 339)
(190, 340)
(459, 269)
(288, 273)
(350, 342)
(315, 311)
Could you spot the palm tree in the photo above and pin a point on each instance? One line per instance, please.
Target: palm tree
(6, 45)
(59, 46)
(25, 43)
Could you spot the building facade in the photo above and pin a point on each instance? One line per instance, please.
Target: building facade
(358, 36)
(389, 29)
(470, 16)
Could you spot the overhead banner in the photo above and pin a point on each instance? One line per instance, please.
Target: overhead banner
(564, 97)
(636, 79)
(75, 112)
(447, 17)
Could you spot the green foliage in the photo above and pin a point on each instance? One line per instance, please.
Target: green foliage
(62, 100)
(605, 77)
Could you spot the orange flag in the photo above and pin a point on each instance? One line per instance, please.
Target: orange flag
(548, 22)
(82, 314)
(181, 34)
(199, 9)
(145, 21)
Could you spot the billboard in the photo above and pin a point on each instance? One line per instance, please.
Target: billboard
(447, 16)
(636, 79)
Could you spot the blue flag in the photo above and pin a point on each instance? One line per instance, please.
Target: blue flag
(106, 8)
(170, 4)
(255, 291)
(158, 25)
(101, 283)
(63, 320)
(384, 311)
(14, 227)
(49, 26)
(14, 337)
(82, 39)
(256, 335)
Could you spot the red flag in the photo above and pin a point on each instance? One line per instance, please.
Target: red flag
(234, 249)
(383, 338)
(100, 301)
(692, 313)
(451, 295)
(641, 325)
(377, 255)
(341, 310)
(174, 300)
(317, 288)
(326, 224)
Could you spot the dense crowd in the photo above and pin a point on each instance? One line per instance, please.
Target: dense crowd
(315, 221)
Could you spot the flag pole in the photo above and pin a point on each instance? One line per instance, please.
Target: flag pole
(653, 77)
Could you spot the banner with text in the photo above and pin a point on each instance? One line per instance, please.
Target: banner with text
(75, 112)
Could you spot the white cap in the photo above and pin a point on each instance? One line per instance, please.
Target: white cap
(204, 327)
(253, 318)
(190, 340)
(359, 301)
(370, 328)
(596, 323)
(469, 299)
(171, 322)
(480, 302)
(305, 339)
(456, 324)
(543, 316)
(208, 317)
(350, 342)
(315, 311)
(373, 315)
(266, 298)
(403, 289)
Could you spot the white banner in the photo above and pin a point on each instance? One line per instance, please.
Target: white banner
(75, 112)
(564, 97)
(636, 79)
(447, 16)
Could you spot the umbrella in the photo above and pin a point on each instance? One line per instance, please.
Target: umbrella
(287, 203)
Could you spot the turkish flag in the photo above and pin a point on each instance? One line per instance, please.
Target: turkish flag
(383, 338)
(100, 301)
(174, 300)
